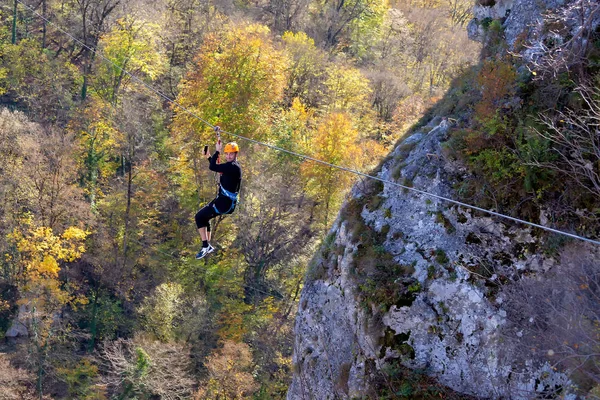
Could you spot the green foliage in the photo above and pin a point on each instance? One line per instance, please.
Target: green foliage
(7, 312)
(499, 166)
(142, 363)
(134, 384)
(44, 82)
(81, 380)
(366, 29)
(400, 382)
(103, 316)
(161, 311)
(440, 218)
(441, 257)
(292, 132)
(485, 23)
(131, 46)
(501, 146)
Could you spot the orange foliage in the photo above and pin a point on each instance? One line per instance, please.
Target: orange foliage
(229, 373)
(497, 82)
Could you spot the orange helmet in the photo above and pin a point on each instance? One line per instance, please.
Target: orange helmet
(231, 147)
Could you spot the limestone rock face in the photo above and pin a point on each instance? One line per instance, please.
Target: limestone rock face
(454, 317)
(518, 17)
(18, 327)
(453, 328)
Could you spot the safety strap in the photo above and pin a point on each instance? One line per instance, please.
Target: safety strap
(230, 195)
(227, 193)
(224, 212)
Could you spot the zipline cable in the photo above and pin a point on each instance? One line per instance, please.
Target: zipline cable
(303, 156)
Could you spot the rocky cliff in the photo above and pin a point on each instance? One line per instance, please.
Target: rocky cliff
(406, 280)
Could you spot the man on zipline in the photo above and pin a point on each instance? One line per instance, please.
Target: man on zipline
(226, 200)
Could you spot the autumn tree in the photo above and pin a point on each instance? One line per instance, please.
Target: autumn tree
(306, 71)
(98, 138)
(143, 186)
(389, 51)
(81, 378)
(133, 192)
(53, 176)
(293, 130)
(228, 373)
(348, 91)
(460, 11)
(93, 20)
(239, 75)
(131, 48)
(335, 20)
(169, 315)
(141, 367)
(286, 15)
(41, 173)
(275, 227)
(14, 381)
(336, 142)
(29, 77)
(13, 194)
(183, 27)
(437, 50)
(37, 259)
(366, 30)
(388, 91)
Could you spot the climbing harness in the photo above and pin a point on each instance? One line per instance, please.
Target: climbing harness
(231, 196)
(227, 193)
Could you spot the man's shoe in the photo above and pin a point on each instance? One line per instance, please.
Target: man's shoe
(204, 251)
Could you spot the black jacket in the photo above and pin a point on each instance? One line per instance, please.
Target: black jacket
(231, 177)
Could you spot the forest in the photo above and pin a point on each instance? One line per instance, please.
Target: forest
(105, 108)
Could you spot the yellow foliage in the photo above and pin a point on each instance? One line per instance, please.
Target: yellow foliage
(338, 143)
(39, 253)
(306, 70)
(348, 90)
(3, 75)
(232, 325)
(40, 243)
(297, 39)
(132, 45)
(239, 75)
(98, 144)
(48, 267)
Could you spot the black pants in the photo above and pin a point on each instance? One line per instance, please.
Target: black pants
(223, 204)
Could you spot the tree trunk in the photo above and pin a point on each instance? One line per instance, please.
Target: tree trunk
(94, 323)
(254, 280)
(44, 9)
(14, 24)
(127, 212)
